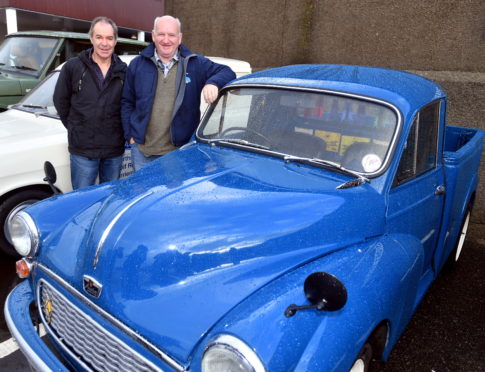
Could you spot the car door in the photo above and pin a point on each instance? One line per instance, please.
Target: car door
(416, 198)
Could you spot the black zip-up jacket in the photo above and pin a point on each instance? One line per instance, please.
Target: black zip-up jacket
(91, 114)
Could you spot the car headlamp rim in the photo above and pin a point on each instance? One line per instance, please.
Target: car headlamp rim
(239, 348)
(32, 231)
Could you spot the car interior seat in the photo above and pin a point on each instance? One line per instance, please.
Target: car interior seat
(299, 144)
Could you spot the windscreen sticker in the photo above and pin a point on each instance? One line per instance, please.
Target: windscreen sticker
(371, 163)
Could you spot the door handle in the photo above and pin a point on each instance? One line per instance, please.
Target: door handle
(440, 190)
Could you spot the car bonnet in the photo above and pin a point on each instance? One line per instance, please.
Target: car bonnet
(180, 243)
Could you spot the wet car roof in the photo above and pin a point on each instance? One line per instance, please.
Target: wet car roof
(400, 88)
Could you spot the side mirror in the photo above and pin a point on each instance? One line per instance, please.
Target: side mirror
(50, 176)
(324, 291)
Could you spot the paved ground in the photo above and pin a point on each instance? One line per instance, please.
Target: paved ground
(447, 334)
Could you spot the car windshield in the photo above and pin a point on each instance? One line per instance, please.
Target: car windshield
(26, 55)
(39, 99)
(352, 133)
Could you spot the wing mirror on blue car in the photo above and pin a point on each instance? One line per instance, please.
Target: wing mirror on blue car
(324, 291)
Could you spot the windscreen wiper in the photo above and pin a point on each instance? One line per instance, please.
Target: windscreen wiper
(359, 179)
(237, 141)
(25, 68)
(28, 105)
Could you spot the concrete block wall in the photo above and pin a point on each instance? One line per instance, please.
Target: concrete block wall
(442, 40)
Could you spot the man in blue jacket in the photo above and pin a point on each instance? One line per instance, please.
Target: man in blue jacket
(160, 104)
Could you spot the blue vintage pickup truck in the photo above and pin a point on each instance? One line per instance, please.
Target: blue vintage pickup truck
(299, 230)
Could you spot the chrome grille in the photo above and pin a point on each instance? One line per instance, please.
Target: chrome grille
(86, 341)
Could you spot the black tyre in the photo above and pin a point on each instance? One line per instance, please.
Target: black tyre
(363, 361)
(9, 207)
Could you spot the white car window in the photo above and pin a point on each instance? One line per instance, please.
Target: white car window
(40, 98)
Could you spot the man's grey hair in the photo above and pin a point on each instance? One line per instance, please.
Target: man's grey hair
(179, 24)
(105, 20)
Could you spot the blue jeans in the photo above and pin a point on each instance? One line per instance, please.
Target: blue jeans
(139, 159)
(84, 171)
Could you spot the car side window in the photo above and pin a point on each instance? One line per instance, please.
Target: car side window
(73, 47)
(420, 151)
(69, 48)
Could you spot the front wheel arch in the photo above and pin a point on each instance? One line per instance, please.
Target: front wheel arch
(39, 187)
(372, 349)
(379, 338)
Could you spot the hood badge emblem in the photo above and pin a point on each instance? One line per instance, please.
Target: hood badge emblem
(91, 286)
(47, 306)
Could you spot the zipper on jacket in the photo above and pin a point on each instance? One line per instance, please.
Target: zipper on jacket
(180, 93)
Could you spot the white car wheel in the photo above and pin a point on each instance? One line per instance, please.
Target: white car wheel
(362, 363)
(359, 366)
(461, 239)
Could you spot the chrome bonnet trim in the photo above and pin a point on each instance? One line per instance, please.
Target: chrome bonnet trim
(112, 223)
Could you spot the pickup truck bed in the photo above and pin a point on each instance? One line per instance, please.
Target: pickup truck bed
(462, 152)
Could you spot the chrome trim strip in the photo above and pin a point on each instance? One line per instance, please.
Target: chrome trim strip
(125, 329)
(112, 223)
(395, 109)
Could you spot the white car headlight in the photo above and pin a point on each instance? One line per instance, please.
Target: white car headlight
(24, 234)
(228, 353)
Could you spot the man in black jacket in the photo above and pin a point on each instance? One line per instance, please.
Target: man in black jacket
(87, 98)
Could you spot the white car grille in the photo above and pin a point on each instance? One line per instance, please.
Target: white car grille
(85, 340)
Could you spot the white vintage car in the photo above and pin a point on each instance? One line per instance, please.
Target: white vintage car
(30, 134)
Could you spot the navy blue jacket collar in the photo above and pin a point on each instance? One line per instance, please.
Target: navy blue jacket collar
(150, 49)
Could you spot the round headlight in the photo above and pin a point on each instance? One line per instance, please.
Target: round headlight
(24, 234)
(228, 353)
